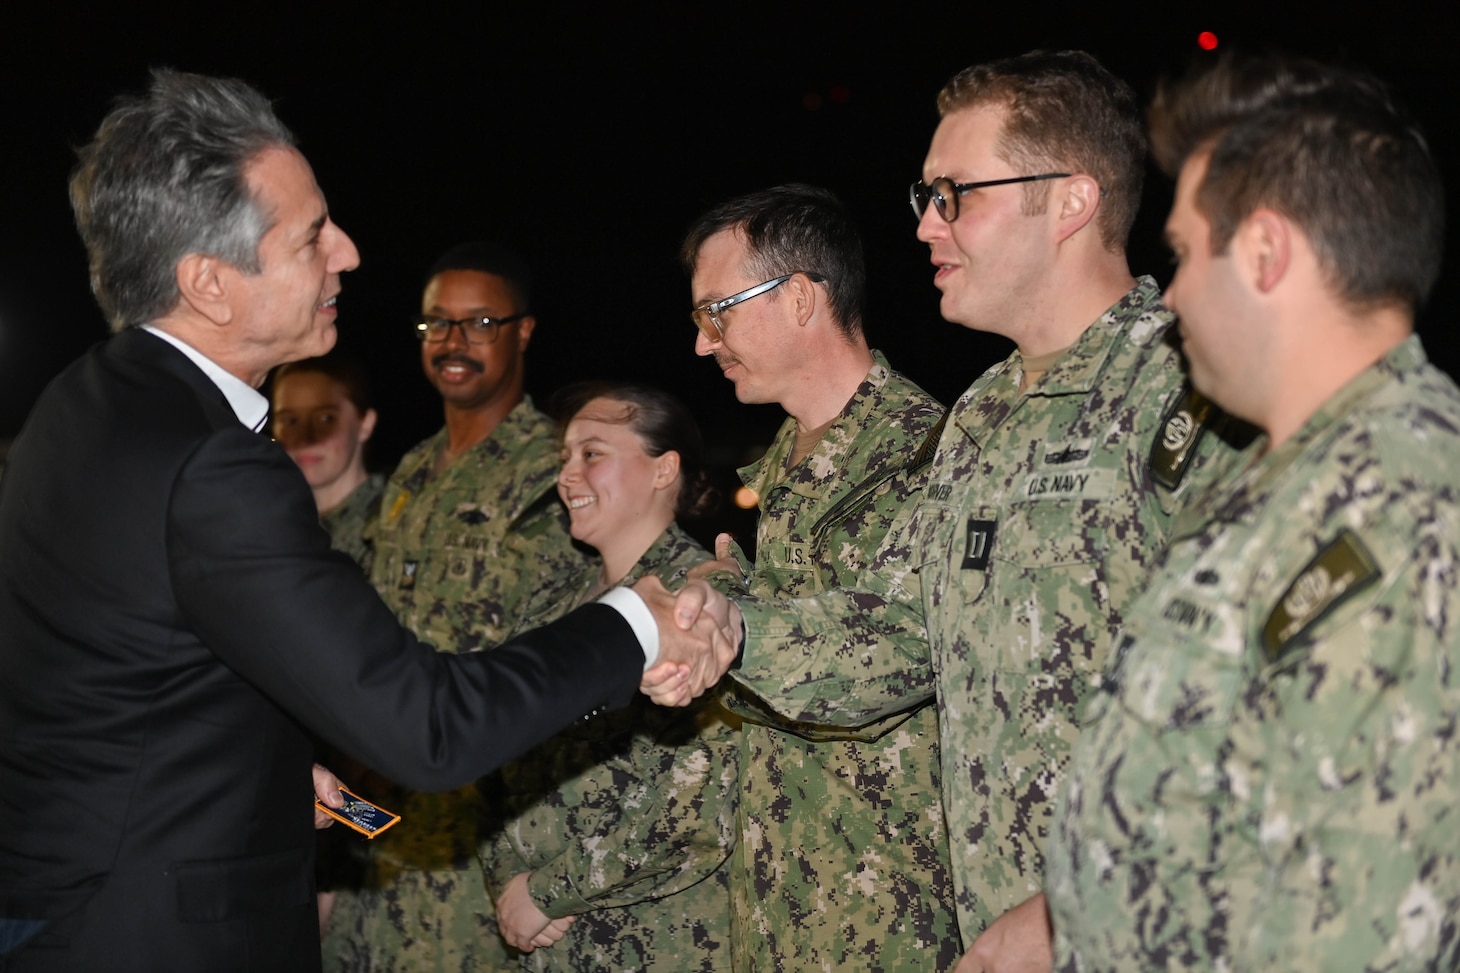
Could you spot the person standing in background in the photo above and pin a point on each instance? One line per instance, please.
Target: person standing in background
(322, 417)
(471, 534)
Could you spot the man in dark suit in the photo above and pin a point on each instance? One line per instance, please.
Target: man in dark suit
(173, 624)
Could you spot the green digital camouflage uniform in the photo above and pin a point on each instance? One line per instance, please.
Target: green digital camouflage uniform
(460, 557)
(1272, 779)
(1040, 517)
(348, 522)
(842, 860)
(627, 819)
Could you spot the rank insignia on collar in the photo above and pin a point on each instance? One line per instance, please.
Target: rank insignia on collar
(1181, 429)
(1341, 569)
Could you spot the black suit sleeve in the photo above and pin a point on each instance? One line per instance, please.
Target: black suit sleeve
(256, 580)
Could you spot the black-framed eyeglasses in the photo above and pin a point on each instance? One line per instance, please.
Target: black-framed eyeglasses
(476, 330)
(944, 192)
(707, 316)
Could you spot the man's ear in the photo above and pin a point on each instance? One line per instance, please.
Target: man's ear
(203, 283)
(1266, 245)
(1077, 202)
(803, 295)
(524, 331)
(367, 425)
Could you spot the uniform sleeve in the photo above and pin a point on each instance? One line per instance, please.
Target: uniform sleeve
(846, 656)
(500, 861)
(652, 821)
(1358, 862)
(256, 581)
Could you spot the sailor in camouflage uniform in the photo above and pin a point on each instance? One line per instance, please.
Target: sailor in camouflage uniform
(350, 522)
(321, 414)
(623, 825)
(1270, 778)
(842, 855)
(470, 533)
(1050, 494)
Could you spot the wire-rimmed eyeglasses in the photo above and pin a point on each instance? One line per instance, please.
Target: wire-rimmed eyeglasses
(707, 316)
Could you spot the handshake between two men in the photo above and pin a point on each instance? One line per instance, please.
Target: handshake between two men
(700, 632)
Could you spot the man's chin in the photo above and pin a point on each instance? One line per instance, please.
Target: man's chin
(321, 340)
(318, 344)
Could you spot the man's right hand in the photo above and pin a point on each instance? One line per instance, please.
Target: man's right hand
(699, 637)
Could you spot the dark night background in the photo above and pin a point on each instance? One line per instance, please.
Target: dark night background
(590, 135)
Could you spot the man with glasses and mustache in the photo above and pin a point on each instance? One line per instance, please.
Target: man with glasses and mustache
(842, 859)
(470, 529)
(1051, 493)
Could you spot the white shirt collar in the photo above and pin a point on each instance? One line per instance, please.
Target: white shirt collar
(248, 405)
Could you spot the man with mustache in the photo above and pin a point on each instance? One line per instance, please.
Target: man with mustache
(470, 529)
(842, 858)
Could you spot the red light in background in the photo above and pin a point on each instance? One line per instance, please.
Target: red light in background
(1206, 40)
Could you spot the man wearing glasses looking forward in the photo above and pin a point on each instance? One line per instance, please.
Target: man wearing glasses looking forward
(470, 528)
(1050, 495)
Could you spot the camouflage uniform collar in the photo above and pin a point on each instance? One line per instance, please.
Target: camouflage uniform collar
(523, 422)
(519, 438)
(812, 478)
(1136, 317)
(667, 548)
(1258, 473)
(359, 501)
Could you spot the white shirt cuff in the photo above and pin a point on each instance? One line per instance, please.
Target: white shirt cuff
(626, 602)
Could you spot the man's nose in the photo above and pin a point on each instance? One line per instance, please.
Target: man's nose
(931, 226)
(343, 256)
(704, 346)
(456, 335)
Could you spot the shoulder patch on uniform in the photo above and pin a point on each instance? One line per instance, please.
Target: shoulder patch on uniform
(1181, 429)
(1341, 569)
